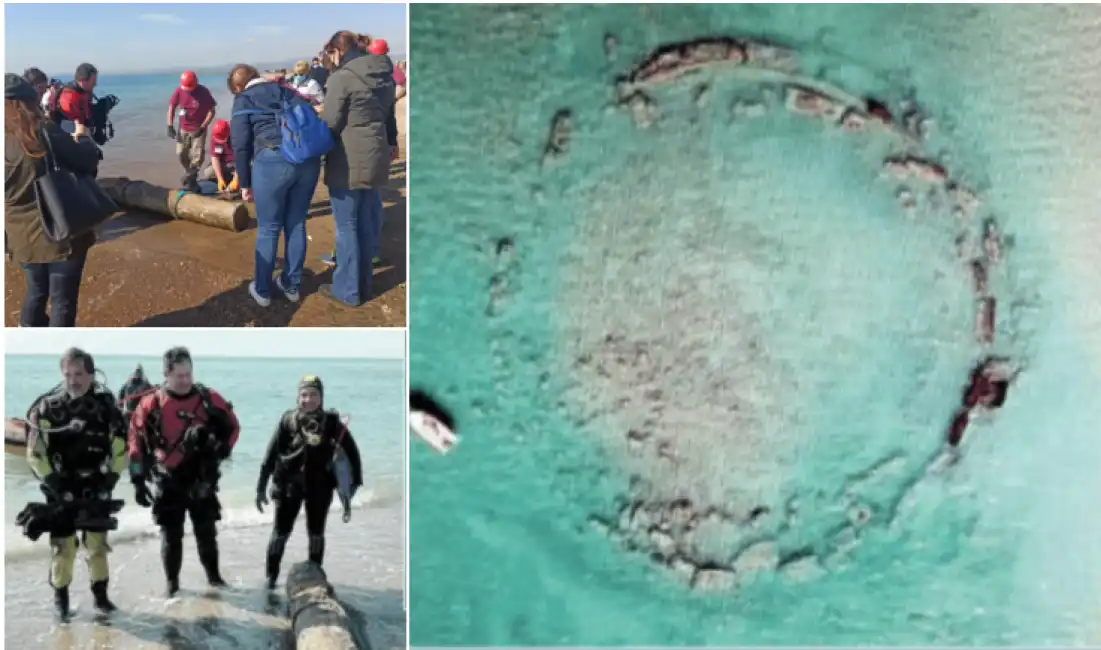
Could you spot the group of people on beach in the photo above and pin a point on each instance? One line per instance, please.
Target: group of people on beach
(338, 112)
(80, 439)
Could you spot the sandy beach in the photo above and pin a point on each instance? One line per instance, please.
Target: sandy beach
(364, 559)
(147, 270)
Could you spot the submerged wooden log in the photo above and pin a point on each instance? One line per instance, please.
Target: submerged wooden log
(205, 210)
(318, 620)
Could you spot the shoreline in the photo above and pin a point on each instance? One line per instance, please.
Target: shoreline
(148, 270)
(368, 579)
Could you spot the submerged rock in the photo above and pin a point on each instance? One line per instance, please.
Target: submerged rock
(673, 61)
(714, 580)
(803, 101)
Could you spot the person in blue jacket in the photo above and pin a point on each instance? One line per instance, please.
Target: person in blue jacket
(281, 191)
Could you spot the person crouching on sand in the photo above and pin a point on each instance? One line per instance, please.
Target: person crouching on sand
(53, 269)
(282, 191)
(196, 111)
(221, 164)
(359, 108)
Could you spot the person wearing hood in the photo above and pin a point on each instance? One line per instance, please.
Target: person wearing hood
(359, 108)
(282, 191)
(299, 462)
(53, 270)
(307, 87)
(179, 435)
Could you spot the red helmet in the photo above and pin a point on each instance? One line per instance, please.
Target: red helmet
(220, 131)
(379, 46)
(188, 80)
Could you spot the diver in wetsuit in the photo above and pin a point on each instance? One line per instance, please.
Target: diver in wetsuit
(77, 447)
(299, 462)
(136, 387)
(179, 435)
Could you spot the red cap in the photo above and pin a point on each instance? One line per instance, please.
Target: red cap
(379, 46)
(188, 80)
(220, 131)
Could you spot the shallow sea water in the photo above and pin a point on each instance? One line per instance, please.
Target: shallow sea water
(707, 232)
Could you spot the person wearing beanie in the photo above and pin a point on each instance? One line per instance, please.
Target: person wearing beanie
(299, 462)
(179, 435)
(53, 270)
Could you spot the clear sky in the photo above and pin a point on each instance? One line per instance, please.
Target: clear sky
(123, 38)
(239, 342)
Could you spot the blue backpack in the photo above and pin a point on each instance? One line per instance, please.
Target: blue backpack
(305, 135)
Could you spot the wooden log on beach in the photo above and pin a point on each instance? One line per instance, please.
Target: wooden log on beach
(205, 210)
(318, 620)
(15, 436)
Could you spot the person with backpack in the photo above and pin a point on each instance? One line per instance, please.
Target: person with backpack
(53, 270)
(178, 437)
(278, 141)
(196, 107)
(359, 108)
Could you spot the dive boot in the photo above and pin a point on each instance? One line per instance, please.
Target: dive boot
(173, 588)
(208, 557)
(317, 549)
(99, 594)
(61, 604)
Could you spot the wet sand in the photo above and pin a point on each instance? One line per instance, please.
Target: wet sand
(363, 558)
(147, 270)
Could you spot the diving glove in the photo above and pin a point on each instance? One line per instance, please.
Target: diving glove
(51, 486)
(171, 131)
(261, 499)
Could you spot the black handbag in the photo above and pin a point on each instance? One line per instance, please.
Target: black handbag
(69, 204)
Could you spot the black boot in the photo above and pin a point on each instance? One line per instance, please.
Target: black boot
(190, 182)
(276, 547)
(317, 549)
(102, 602)
(208, 556)
(61, 603)
(172, 557)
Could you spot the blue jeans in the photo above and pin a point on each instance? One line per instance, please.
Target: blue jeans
(358, 216)
(282, 193)
(378, 227)
(57, 283)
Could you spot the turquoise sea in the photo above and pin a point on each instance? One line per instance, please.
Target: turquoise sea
(810, 336)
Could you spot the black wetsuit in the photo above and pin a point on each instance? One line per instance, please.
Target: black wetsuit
(299, 462)
(189, 490)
